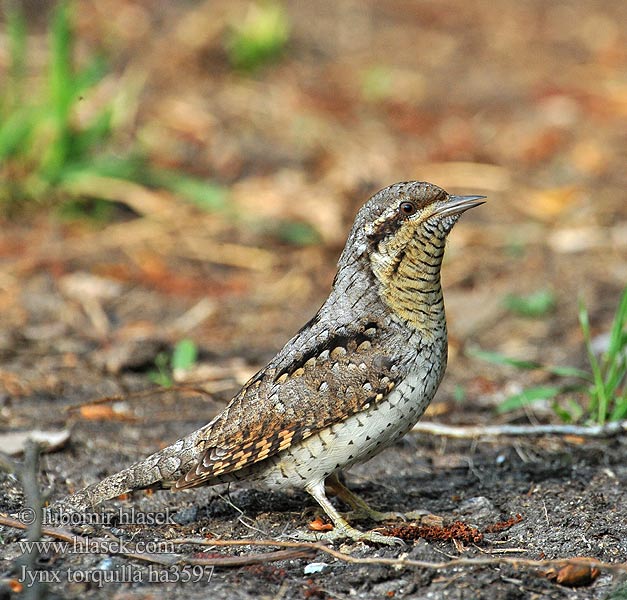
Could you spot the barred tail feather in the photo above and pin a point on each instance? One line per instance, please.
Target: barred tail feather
(160, 470)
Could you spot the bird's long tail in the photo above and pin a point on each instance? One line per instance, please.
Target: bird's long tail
(159, 470)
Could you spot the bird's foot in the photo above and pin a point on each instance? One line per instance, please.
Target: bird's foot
(348, 532)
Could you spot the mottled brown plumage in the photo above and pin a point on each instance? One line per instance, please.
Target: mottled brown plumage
(280, 407)
(353, 380)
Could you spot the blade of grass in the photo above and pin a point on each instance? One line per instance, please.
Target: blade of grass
(15, 131)
(528, 396)
(500, 359)
(620, 409)
(61, 90)
(568, 372)
(89, 76)
(598, 399)
(206, 195)
(103, 166)
(616, 348)
(537, 304)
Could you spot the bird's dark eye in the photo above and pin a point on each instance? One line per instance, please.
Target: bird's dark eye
(407, 208)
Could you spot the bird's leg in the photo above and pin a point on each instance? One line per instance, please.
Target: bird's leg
(361, 509)
(341, 528)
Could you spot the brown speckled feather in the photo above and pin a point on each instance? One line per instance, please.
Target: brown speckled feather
(284, 404)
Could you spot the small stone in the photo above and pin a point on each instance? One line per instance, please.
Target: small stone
(315, 567)
(478, 508)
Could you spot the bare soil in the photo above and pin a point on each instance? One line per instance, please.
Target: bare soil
(521, 101)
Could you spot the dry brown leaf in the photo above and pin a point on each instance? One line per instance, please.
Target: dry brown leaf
(573, 574)
(319, 525)
(103, 412)
(13, 442)
(548, 204)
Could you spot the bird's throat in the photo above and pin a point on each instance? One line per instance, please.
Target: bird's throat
(409, 280)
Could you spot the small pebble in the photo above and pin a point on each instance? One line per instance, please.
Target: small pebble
(315, 567)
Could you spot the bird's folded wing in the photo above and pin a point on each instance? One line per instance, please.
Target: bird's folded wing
(293, 398)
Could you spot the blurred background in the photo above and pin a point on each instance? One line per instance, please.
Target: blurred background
(177, 180)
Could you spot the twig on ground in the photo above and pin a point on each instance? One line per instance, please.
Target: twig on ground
(165, 559)
(138, 395)
(305, 550)
(594, 431)
(407, 562)
(29, 471)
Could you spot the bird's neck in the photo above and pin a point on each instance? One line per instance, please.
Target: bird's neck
(409, 284)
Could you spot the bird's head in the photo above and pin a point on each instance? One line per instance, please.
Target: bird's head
(401, 221)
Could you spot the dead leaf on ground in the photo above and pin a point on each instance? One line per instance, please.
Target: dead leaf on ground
(573, 574)
(104, 412)
(548, 204)
(14, 442)
(319, 525)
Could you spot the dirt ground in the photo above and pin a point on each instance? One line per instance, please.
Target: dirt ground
(525, 102)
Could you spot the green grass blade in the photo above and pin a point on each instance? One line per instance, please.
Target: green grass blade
(102, 166)
(204, 194)
(15, 131)
(615, 377)
(619, 410)
(568, 372)
(617, 334)
(500, 359)
(536, 304)
(528, 396)
(598, 398)
(572, 412)
(184, 355)
(613, 358)
(88, 76)
(61, 89)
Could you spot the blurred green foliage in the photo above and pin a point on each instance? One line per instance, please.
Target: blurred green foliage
(603, 384)
(536, 304)
(183, 357)
(260, 39)
(49, 156)
(376, 83)
(297, 233)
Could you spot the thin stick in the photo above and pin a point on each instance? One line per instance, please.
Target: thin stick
(407, 562)
(29, 471)
(305, 550)
(138, 395)
(594, 431)
(165, 559)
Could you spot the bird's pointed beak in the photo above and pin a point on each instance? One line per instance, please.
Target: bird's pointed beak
(455, 205)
